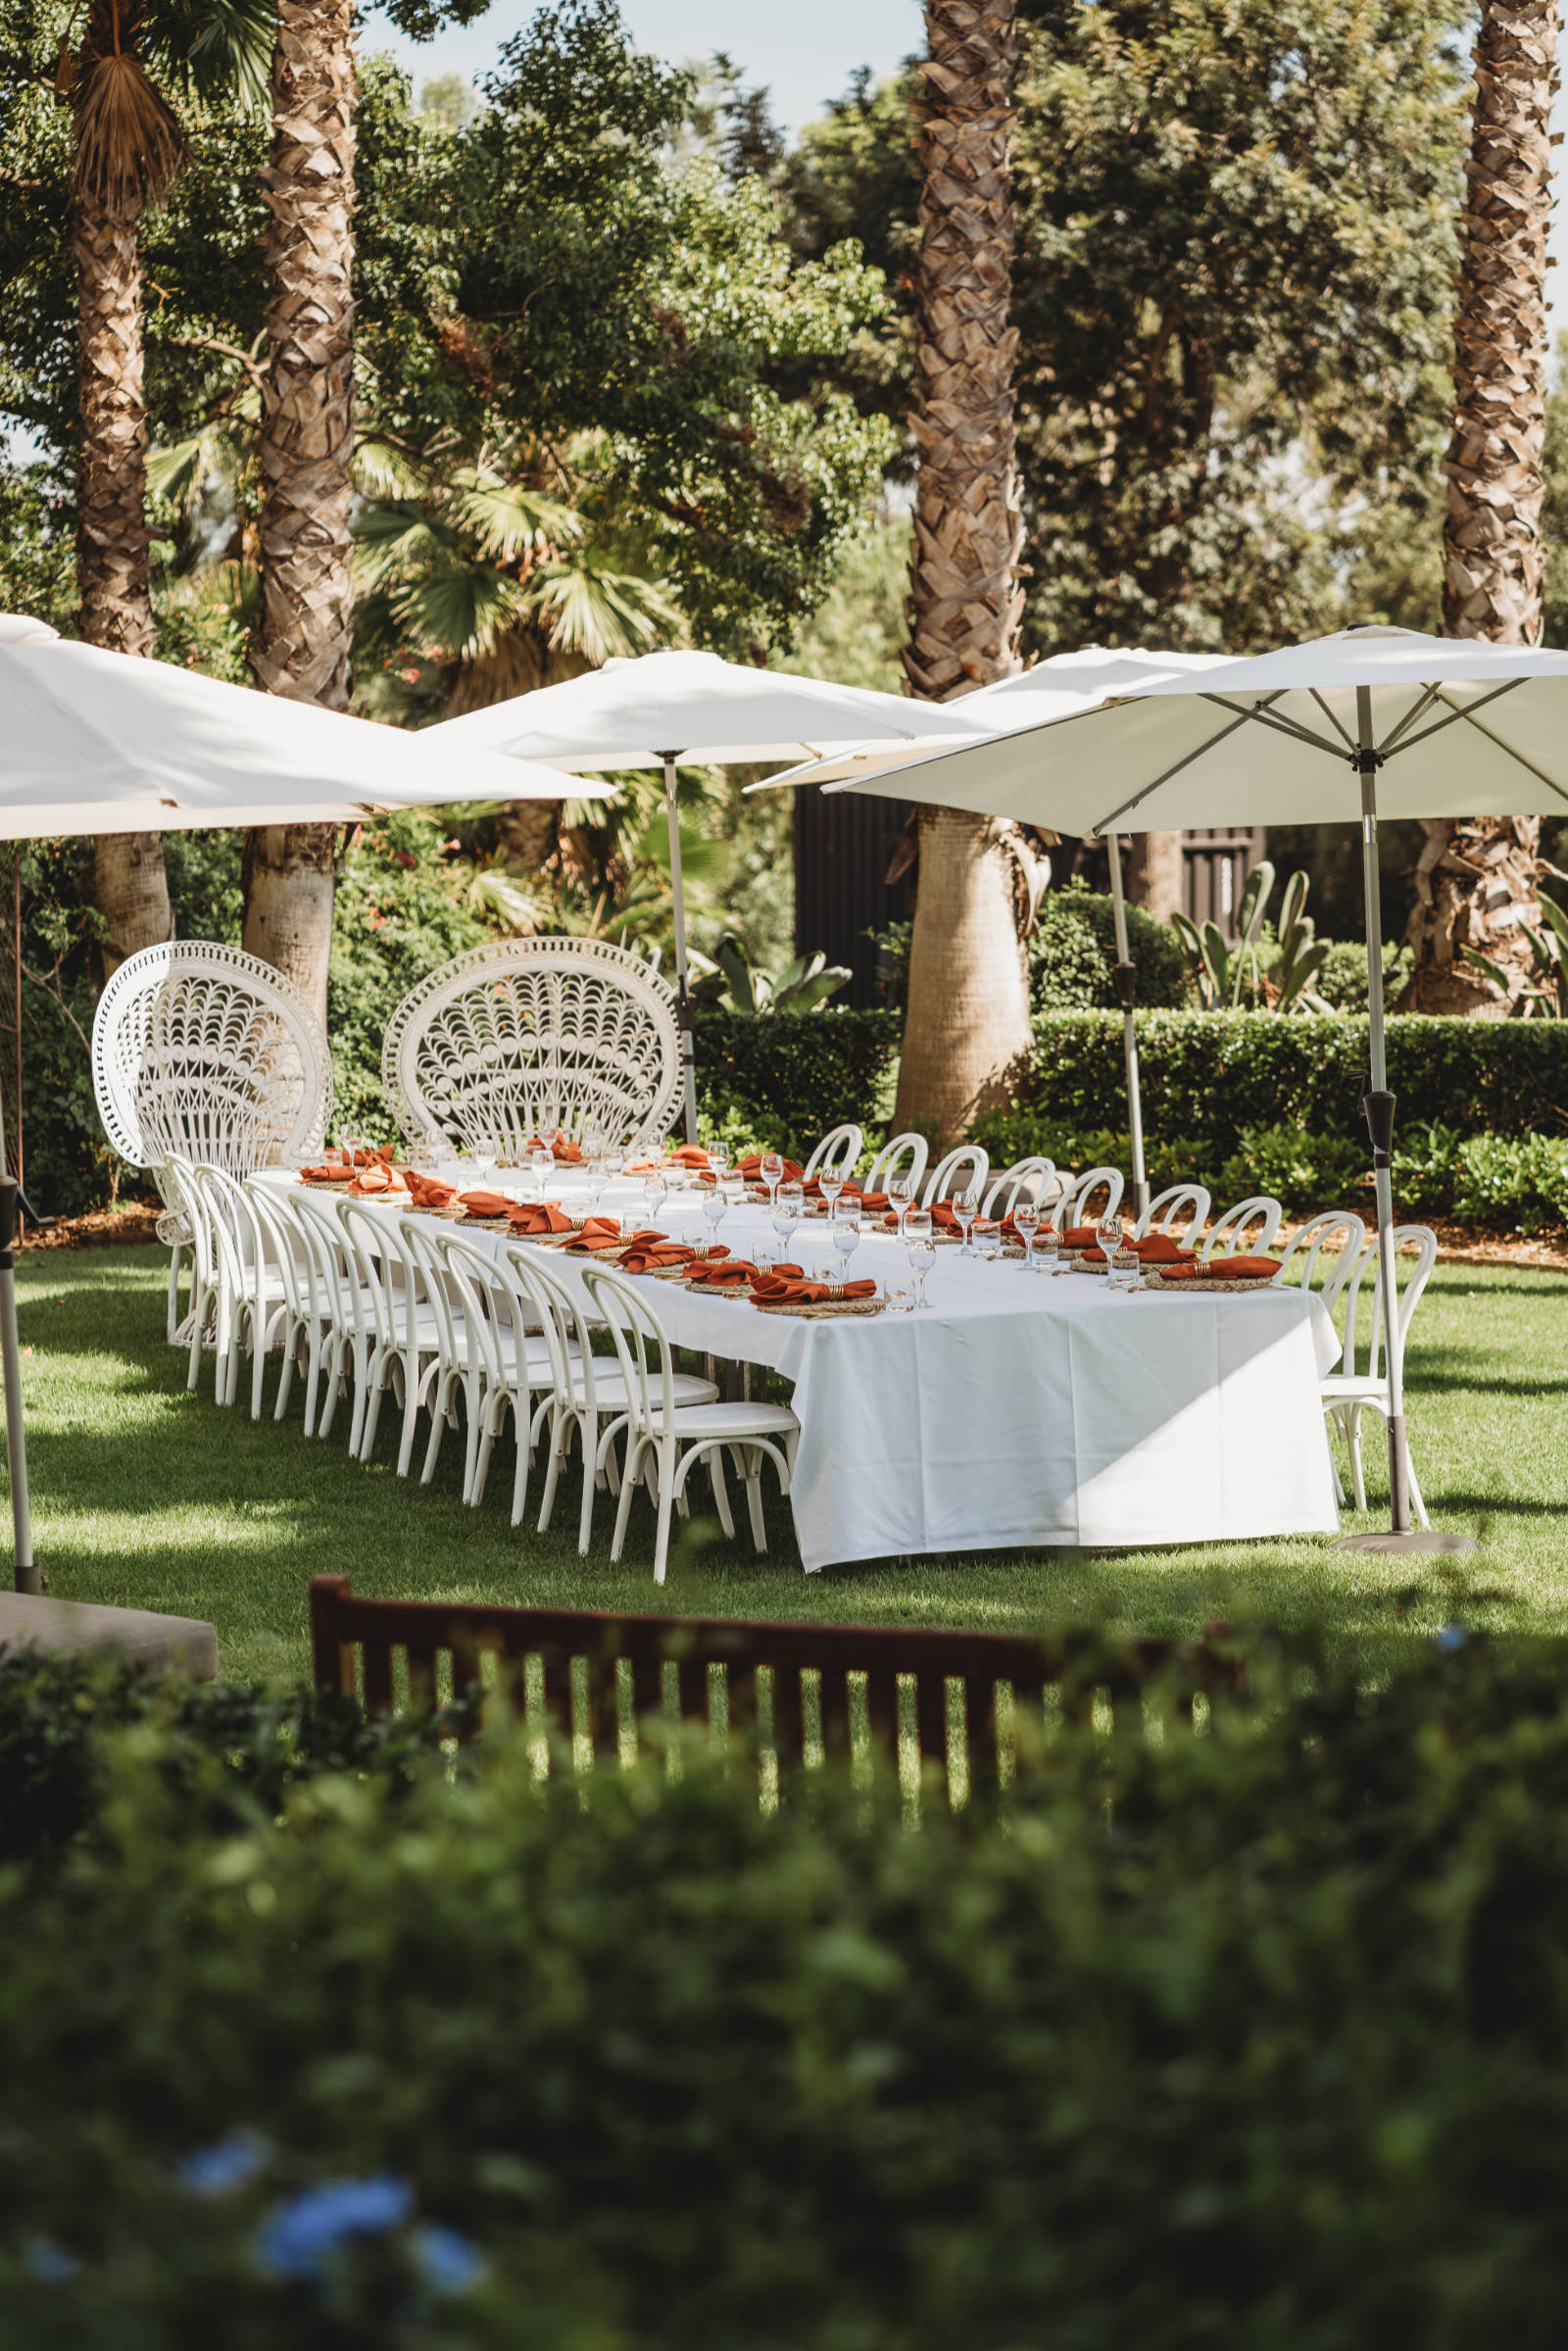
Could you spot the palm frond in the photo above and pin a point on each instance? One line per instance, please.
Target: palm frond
(381, 471)
(221, 50)
(599, 614)
(464, 608)
(394, 538)
(505, 519)
(130, 145)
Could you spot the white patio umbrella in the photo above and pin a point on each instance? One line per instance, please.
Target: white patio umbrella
(1336, 730)
(662, 709)
(1066, 683)
(98, 742)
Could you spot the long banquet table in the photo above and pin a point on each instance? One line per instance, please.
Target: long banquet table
(1022, 1410)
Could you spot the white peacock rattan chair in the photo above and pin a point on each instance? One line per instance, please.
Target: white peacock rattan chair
(514, 1042)
(204, 1054)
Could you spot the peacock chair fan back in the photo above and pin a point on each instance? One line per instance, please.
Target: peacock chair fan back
(514, 1042)
(206, 1053)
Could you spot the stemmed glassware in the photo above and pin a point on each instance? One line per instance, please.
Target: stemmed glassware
(1048, 1243)
(922, 1250)
(1026, 1223)
(901, 1199)
(715, 1208)
(655, 1187)
(965, 1209)
(845, 1232)
(718, 1160)
(830, 1184)
(772, 1174)
(1107, 1233)
(787, 1208)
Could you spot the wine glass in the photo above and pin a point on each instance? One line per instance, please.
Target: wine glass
(785, 1215)
(715, 1208)
(965, 1209)
(1026, 1223)
(830, 1183)
(1107, 1233)
(772, 1174)
(846, 1231)
(718, 1158)
(656, 1188)
(1048, 1243)
(351, 1142)
(920, 1248)
(901, 1199)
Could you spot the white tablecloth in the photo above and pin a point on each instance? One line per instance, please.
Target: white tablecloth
(1027, 1410)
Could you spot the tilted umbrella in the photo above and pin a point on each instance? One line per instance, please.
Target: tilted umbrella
(662, 709)
(99, 742)
(1334, 730)
(1057, 688)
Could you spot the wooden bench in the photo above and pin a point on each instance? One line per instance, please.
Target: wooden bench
(598, 1675)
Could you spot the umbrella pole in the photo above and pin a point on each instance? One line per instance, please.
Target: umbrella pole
(26, 1571)
(1379, 1107)
(683, 1010)
(1127, 990)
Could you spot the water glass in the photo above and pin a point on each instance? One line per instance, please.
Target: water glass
(920, 1248)
(830, 1184)
(714, 1207)
(845, 1230)
(965, 1209)
(1026, 1224)
(786, 1212)
(898, 1295)
(1108, 1235)
(655, 1189)
(772, 1173)
(718, 1158)
(1046, 1257)
(901, 1199)
(986, 1242)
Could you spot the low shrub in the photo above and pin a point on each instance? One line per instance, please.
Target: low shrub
(1259, 2036)
(1072, 955)
(798, 1075)
(1505, 1183)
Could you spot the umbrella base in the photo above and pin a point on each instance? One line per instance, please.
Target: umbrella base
(1410, 1539)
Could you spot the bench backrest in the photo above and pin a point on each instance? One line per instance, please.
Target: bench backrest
(599, 1673)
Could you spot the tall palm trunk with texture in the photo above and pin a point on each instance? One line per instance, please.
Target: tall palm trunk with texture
(306, 450)
(967, 1024)
(126, 147)
(1478, 884)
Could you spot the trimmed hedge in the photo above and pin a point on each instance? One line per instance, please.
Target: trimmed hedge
(1214, 1073)
(1259, 2038)
(797, 1073)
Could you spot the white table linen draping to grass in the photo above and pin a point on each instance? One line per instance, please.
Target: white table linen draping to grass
(1023, 1409)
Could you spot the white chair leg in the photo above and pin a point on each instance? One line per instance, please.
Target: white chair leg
(628, 1487)
(520, 1477)
(174, 1256)
(666, 1482)
(559, 1432)
(753, 1500)
(715, 1473)
(285, 1377)
(1352, 1436)
(1417, 1502)
(589, 1436)
(258, 1359)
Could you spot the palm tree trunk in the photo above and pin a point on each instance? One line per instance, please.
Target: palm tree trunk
(129, 884)
(1478, 882)
(1155, 874)
(305, 449)
(967, 1024)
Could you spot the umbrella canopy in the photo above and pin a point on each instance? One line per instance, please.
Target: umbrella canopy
(697, 709)
(99, 742)
(1461, 729)
(661, 708)
(1052, 689)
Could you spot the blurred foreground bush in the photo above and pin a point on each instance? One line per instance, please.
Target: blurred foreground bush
(1254, 2038)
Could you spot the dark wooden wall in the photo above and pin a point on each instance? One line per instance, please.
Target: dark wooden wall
(844, 844)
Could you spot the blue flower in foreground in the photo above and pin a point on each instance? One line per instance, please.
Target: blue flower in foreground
(47, 2262)
(302, 2235)
(1451, 1638)
(447, 2262)
(229, 2163)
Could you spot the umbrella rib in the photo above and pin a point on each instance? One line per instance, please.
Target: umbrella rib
(1293, 727)
(1345, 737)
(1107, 824)
(1418, 709)
(1456, 712)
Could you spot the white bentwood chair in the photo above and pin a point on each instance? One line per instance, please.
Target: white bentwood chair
(666, 1438)
(1334, 1229)
(488, 1353)
(1232, 1236)
(256, 1301)
(890, 1164)
(1184, 1206)
(964, 1169)
(1347, 1393)
(838, 1152)
(1033, 1180)
(395, 1342)
(1072, 1207)
(589, 1399)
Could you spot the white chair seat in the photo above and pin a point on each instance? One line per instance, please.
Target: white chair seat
(691, 1392)
(1348, 1388)
(720, 1420)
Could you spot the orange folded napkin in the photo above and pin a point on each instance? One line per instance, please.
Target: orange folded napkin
(943, 1218)
(532, 1217)
(689, 1154)
(646, 1256)
(333, 1172)
(486, 1203)
(1241, 1269)
(1081, 1236)
(426, 1192)
(597, 1232)
(564, 1151)
(729, 1273)
(1158, 1249)
(780, 1290)
(377, 1178)
(873, 1202)
(751, 1167)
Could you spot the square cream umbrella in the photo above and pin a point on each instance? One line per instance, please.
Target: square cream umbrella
(662, 709)
(1340, 729)
(98, 742)
(1057, 688)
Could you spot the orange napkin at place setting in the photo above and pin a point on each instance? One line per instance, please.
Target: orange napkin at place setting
(486, 1203)
(1241, 1269)
(653, 1254)
(564, 1151)
(377, 1179)
(1081, 1236)
(688, 1155)
(1158, 1249)
(751, 1167)
(943, 1218)
(533, 1217)
(597, 1233)
(780, 1290)
(333, 1172)
(874, 1203)
(729, 1273)
(426, 1192)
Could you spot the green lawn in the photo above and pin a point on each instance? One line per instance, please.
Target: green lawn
(148, 1496)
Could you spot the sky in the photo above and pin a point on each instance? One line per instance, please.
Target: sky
(804, 51)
